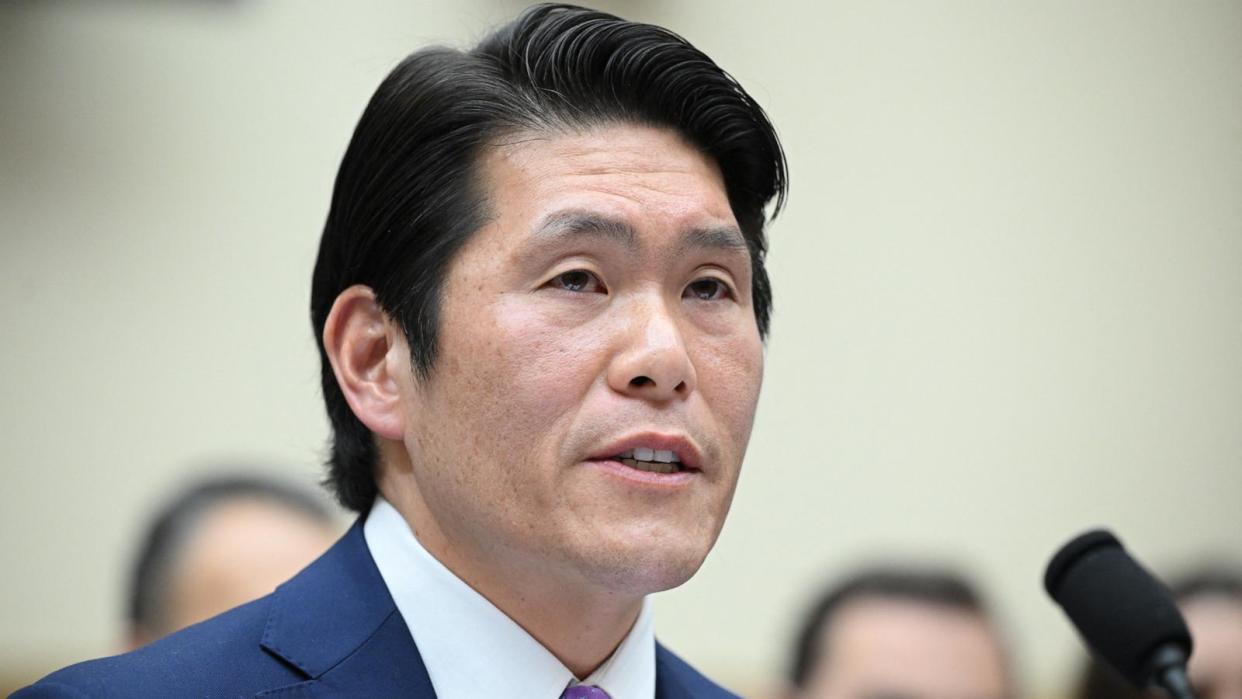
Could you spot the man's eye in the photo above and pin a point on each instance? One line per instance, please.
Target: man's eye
(577, 280)
(707, 289)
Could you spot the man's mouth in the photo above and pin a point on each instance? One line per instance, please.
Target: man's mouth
(650, 460)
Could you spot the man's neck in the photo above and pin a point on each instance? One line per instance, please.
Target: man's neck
(579, 623)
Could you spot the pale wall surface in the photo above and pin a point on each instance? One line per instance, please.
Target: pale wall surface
(1008, 284)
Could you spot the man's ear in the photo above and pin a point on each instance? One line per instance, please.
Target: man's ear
(366, 349)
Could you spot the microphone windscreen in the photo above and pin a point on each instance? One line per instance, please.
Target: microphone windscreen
(1121, 610)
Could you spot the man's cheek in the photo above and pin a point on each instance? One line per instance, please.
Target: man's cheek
(550, 369)
(733, 387)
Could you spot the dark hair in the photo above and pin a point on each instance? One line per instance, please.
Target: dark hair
(1100, 681)
(1215, 581)
(408, 194)
(933, 587)
(175, 525)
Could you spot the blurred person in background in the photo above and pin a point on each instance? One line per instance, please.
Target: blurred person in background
(222, 542)
(1211, 601)
(893, 633)
(540, 303)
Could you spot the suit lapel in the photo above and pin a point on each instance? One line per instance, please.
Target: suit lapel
(677, 680)
(668, 682)
(337, 624)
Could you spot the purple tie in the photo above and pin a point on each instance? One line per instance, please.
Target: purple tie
(581, 691)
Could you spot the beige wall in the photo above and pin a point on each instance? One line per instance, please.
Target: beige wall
(1008, 288)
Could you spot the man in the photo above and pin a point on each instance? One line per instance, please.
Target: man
(1211, 601)
(899, 634)
(220, 543)
(540, 300)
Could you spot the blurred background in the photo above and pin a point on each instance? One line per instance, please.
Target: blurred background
(1008, 290)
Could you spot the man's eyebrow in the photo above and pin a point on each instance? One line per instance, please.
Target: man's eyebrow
(566, 225)
(572, 224)
(713, 238)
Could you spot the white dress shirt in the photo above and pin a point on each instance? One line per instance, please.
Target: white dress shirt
(470, 647)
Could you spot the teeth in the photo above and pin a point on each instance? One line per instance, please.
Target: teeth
(645, 454)
(651, 466)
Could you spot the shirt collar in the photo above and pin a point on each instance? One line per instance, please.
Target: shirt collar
(470, 647)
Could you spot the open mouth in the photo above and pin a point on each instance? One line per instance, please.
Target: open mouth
(651, 460)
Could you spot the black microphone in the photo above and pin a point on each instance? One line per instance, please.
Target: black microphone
(1124, 614)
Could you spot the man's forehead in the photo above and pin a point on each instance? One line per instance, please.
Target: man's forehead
(624, 184)
(882, 614)
(893, 648)
(610, 155)
(598, 148)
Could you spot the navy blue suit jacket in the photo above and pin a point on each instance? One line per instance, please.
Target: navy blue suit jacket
(331, 631)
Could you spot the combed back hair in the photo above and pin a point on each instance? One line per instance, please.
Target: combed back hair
(939, 588)
(409, 193)
(175, 524)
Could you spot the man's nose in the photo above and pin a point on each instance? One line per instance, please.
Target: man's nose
(654, 362)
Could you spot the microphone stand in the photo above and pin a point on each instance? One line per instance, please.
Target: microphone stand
(1169, 671)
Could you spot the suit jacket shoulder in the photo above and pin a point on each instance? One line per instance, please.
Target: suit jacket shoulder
(333, 630)
(675, 679)
(186, 661)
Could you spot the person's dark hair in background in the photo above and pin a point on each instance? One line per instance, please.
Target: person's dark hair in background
(1211, 600)
(301, 523)
(408, 193)
(897, 596)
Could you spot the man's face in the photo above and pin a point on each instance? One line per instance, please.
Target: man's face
(1215, 667)
(605, 311)
(877, 648)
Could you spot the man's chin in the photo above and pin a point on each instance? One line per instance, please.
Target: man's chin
(641, 570)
